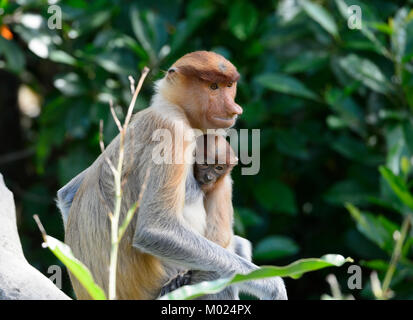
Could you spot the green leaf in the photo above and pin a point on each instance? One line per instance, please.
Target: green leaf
(70, 84)
(285, 84)
(356, 150)
(378, 229)
(141, 33)
(347, 191)
(117, 61)
(368, 19)
(275, 247)
(367, 72)
(348, 110)
(378, 265)
(408, 135)
(62, 57)
(276, 196)
(15, 60)
(243, 18)
(307, 61)
(398, 36)
(398, 186)
(197, 12)
(293, 270)
(77, 268)
(320, 15)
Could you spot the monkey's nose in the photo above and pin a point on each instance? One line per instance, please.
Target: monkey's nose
(234, 109)
(238, 110)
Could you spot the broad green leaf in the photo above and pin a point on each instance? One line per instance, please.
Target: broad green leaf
(367, 19)
(138, 27)
(286, 84)
(89, 21)
(70, 84)
(117, 61)
(347, 191)
(77, 268)
(243, 18)
(307, 61)
(293, 270)
(408, 135)
(367, 72)
(356, 150)
(398, 36)
(378, 265)
(15, 60)
(347, 108)
(275, 247)
(62, 57)
(398, 186)
(197, 11)
(397, 147)
(376, 228)
(320, 15)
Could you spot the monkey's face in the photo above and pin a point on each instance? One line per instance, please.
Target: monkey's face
(208, 174)
(221, 109)
(204, 84)
(208, 105)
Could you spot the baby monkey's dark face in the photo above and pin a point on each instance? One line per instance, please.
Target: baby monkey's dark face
(214, 158)
(208, 174)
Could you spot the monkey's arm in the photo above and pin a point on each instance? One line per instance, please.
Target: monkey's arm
(241, 246)
(161, 232)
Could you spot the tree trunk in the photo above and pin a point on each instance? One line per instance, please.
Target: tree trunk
(18, 279)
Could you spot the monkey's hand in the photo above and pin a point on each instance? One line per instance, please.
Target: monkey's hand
(275, 286)
(182, 279)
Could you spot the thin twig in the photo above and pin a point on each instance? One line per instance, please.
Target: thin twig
(114, 116)
(41, 228)
(145, 72)
(115, 239)
(132, 84)
(395, 257)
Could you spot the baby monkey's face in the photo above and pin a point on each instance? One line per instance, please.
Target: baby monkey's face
(208, 174)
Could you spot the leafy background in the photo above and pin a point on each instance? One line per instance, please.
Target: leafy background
(333, 104)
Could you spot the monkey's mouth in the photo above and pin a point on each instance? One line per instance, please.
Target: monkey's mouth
(226, 121)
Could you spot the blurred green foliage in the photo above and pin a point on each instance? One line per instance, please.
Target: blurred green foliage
(332, 104)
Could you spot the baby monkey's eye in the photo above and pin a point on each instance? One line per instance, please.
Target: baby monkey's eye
(203, 165)
(219, 168)
(214, 86)
(229, 85)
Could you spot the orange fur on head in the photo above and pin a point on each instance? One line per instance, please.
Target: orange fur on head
(208, 66)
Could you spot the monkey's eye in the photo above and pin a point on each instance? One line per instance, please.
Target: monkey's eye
(214, 86)
(219, 168)
(203, 165)
(229, 85)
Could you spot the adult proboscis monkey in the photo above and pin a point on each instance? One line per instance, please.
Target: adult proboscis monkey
(197, 92)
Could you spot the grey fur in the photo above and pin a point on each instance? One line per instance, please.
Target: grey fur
(66, 194)
(173, 242)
